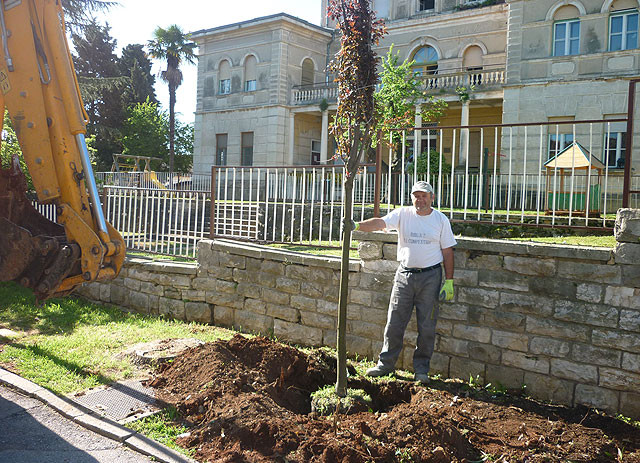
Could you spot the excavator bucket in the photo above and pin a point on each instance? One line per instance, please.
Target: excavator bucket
(33, 250)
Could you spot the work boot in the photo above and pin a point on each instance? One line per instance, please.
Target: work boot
(379, 370)
(423, 378)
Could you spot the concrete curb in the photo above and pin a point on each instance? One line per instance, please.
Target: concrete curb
(92, 421)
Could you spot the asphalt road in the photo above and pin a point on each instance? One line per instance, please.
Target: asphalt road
(31, 432)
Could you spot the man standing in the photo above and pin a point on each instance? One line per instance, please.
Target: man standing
(425, 240)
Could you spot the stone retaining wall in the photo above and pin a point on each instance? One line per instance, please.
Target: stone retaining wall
(562, 320)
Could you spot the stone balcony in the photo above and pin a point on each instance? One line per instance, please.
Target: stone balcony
(444, 82)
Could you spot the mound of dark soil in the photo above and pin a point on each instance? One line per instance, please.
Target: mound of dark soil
(248, 400)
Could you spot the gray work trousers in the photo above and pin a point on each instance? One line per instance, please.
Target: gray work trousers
(412, 289)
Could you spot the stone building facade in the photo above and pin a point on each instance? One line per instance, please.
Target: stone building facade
(265, 98)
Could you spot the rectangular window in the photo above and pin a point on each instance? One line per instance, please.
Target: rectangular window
(250, 86)
(221, 149)
(623, 31)
(566, 38)
(247, 149)
(614, 145)
(426, 5)
(315, 152)
(225, 87)
(558, 142)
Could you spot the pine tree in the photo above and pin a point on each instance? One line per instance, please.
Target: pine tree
(135, 64)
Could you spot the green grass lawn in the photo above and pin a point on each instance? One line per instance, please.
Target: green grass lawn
(587, 241)
(69, 345)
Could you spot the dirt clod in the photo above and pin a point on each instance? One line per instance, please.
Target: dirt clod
(248, 400)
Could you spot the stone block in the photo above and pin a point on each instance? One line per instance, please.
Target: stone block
(198, 312)
(627, 228)
(548, 346)
(444, 327)
(223, 316)
(151, 288)
(472, 333)
(501, 319)
(631, 275)
(465, 368)
(311, 289)
(476, 296)
(380, 266)
(631, 362)
(597, 273)
(479, 261)
(105, 292)
(460, 258)
(627, 253)
(371, 314)
(630, 405)
(361, 297)
(380, 300)
(173, 308)
(241, 275)
(365, 329)
(322, 306)
(616, 340)
(559, 287)
(465, 277)
(194, 295)
(288, 285)
(227, 300)
(275, 297)
(266, 266)
(484, 353)
(525, 361)
(621, 296)
(154, 305)
(139, 302)
(206, 256)
(589, 354)
(332, 293)
(248, 290)
(439, 364)
(305, 303)
(377, 282)
(266, 280)
(231, 260)
(503, 280)
(255, 306)
(318, 320)
(512, 378)
(547, 388)
(390, 251)
(226, 287)
(589, 314)
(580, 372)
(453, 346)
(589, 292)
(223, 273)
(252, 322)
(509, 340)
(299, 334)
(359, 346)
(370, 250)
(282, 312)
(530, 266)
(173, 293)
(613, 378)
(129, 283)
(630, 320)
(556, 329)
(454, 311)
(526, 304)
(596, 397)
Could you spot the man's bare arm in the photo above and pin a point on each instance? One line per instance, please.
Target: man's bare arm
(447, 254)
(371, 225)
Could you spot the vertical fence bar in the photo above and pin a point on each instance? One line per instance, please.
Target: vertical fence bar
(555, 175)
(266, 204)
(524, 174)
(465, 136)
(481, 178)
(285, 181)
(242, 228)
(440, 169)
(293, 203)
(333, 200)
(389, 179)
(453, 154)
(233, 202)
(509, 177)
(606, 174)
(573, 172)
(304, 195)
(313, 197)
(404, 150)
(364, 191)
(322, 180)
(539, 177)
(274, 188)
(496, 158)
(588, 209)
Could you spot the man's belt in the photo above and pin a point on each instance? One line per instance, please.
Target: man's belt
(419, 270)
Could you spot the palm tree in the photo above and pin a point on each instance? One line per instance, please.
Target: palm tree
(174, 46)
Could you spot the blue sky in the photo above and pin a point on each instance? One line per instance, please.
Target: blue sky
(133, 21)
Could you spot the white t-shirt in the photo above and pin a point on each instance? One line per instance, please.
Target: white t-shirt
(421, 239)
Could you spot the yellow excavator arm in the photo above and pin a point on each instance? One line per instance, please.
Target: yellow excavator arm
(39, 88)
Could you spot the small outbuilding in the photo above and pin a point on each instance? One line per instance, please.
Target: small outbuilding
(563, 195)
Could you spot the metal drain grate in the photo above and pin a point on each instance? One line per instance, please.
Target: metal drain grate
(122, 401)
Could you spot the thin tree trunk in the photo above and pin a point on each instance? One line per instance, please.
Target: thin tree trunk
(172, 129)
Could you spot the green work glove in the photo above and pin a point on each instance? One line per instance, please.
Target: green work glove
(354, 225)
(446, 293)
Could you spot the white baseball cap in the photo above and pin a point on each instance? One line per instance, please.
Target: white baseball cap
(422, 186)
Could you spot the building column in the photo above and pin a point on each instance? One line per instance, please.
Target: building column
(324, 137)
(464, 135)
(292, 136)
(417, 135)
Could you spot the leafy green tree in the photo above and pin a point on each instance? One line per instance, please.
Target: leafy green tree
(355, 66)
(173, 46)
(135, 64)
(79, 13)
(145, 131)
(102, 87)
(429, 162)
(184, 148)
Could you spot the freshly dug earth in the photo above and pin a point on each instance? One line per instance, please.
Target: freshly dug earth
(248, 400)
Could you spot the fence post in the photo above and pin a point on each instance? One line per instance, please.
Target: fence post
(378, 182)
(212, 213)
(626, 190)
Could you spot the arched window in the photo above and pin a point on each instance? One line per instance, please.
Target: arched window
(308, 71)
(623, 25)
(250, 64)
(426, 61)
(472, 58)
(566, 31)
(224, 78)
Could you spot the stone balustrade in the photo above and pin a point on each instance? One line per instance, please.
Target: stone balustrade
(562, 320)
